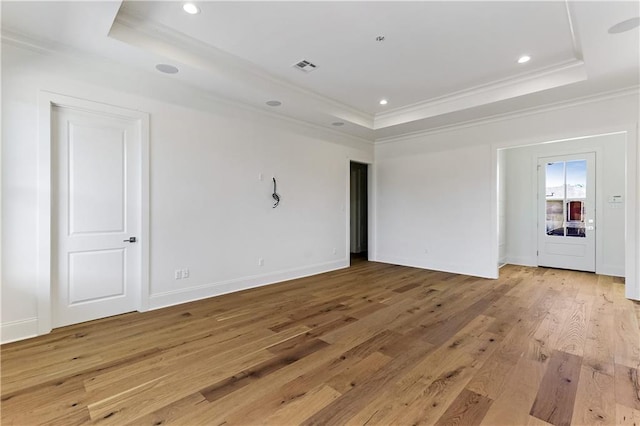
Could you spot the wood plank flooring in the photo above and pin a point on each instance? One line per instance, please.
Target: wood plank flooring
(374, 344)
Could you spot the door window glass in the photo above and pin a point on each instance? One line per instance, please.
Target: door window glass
(555, 216)
(575, 219)
(566, 191)
(555, 181)
(577, 179)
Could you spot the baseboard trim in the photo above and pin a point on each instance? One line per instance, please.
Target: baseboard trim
(614, 271)
(522, 260)
(176, 297)
(462, 269)
(18, 330)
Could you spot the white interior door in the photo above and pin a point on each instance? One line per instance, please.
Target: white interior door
(566, 203)
(96, 261)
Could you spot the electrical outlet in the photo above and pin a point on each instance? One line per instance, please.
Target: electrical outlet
(185, 273)
(260, 261)
(335, 250)
(177, 274)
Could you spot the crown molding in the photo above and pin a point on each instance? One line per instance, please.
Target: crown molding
(158, 38)
(45, 47)
(555, 76)
(560, 74)
(133, 29)
(611, 94)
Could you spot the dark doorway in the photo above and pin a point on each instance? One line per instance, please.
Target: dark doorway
(358, 208)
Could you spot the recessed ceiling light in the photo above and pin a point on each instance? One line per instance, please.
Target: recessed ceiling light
(337, 123)
(623, 26)
(191, 8)
(274, 103)
(383, 102)
(166, 68)
(524, 59)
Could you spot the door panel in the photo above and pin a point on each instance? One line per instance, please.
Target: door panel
(96, 274)
(565, 249)
(96, 208)
(566, 198)
(96, 179)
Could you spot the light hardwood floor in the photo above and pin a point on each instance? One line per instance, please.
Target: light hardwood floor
(374, 344)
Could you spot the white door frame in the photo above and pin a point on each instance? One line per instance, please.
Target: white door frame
(46, 102)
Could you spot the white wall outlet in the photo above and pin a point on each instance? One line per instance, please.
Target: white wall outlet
(185, 273)
(335, 250)
(260, 177)
(177, 274)
(260, 261)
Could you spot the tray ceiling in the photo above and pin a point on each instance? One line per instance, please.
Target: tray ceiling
(438, 63)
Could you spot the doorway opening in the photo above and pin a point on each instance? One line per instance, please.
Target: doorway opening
(561, 204)
(358, 212)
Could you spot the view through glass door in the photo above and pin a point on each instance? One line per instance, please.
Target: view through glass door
(566, 203)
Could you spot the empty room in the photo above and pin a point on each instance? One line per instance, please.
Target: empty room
(320, 213)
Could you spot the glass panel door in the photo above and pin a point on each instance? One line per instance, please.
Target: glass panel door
(566, 211)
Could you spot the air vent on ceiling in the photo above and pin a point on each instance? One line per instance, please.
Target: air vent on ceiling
(305, 66)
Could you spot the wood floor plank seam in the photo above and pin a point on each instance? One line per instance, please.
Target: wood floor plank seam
(373, 344)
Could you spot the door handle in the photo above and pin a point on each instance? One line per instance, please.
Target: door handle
(130, 240)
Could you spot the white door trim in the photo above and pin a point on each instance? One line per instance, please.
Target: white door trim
(46, 101)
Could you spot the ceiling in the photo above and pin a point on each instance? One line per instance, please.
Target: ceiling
(440, 63)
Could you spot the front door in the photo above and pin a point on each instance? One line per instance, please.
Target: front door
(566, 203)
(96, 265)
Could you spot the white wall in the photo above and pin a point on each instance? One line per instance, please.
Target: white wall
(429, 209)
(209, 211)
(522, 205)
(438, 190)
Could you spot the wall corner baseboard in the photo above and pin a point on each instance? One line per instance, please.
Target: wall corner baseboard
(522, 260)
(18, 330)
(454, 268)
(163, 300)
(612, 270)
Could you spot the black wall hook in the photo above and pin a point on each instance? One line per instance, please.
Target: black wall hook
(275, 194)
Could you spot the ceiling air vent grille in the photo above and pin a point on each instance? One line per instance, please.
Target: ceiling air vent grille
(305, 66)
